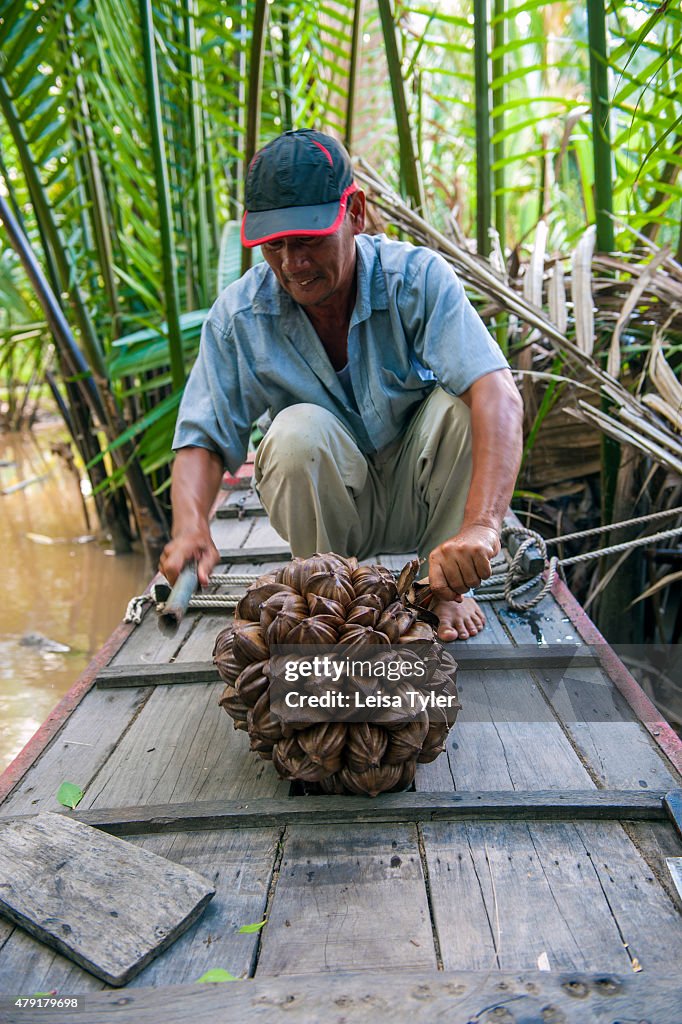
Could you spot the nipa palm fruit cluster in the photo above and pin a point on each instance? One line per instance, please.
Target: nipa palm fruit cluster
(330, 600)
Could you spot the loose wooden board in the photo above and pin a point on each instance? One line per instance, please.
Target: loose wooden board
(98, 900)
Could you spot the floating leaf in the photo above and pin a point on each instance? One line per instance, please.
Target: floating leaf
(248, 929)
(69, 795)
(216, 974)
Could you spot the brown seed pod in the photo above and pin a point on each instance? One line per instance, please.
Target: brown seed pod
(235, 707)
(377, 580)
(373, 781)
(311, 631)
(365, 746)
(334, 584)
(333, 785)
(362, 614)
(324, 743)
(284, 601)
(249, 605)
(434, 743)
(388, 624)
(408, 769)
(261, 721)
(365, 601)
(249, 643)
(291, 765)
(356, 637)
(418, 631)
(281, 626)
(222, 648)
(251, 683)
(318, 605)
(405, 744)
(261, 747)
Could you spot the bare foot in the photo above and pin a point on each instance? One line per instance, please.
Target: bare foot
(458, 621)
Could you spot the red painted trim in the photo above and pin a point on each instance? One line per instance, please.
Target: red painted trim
(58, 717)
(649, 715)
(298, 232)
(239, 480)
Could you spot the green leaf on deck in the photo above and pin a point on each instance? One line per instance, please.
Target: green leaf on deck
(248, 929)
(217, 974)
(69, 795)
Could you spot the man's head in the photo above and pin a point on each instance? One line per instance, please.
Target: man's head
(304, 209)
(299, 184)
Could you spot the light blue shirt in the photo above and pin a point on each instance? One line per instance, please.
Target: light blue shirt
(412, 328)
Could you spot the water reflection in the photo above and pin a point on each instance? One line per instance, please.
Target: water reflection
(56, 584)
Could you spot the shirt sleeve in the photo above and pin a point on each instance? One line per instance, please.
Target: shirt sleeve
(448, 335)
(222, 398)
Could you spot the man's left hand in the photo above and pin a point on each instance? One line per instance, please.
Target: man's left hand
(462, 562)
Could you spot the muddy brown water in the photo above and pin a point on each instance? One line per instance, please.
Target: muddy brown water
(57, 583)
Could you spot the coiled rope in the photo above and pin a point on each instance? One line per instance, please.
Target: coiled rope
(511, 584)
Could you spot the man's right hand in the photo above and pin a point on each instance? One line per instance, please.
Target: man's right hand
(187, 547)
(197, 473)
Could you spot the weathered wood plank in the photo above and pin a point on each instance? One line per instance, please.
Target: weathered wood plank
(240, 867)
(181, 747)
(76, 755)
(263, 535)
(650, 925)
(469, 659)
(505, 737)
(240, 505)
(409, 997)
(98, 900)
(550, 805)
(340, 906)
(601, 723)
(544, 897)
(236, 556)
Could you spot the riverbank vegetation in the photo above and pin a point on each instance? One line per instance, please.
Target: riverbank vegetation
(541, 142)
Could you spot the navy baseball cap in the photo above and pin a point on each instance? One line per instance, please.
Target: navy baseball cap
(299, 184)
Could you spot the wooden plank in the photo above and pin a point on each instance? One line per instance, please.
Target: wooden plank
(240, 867)
(506, 896)
(343, 906)
(263, 535)
(673, 805)
(79, 751)
(98, 900)
(397, 807)
(577, 894)
(505, 737)
(182, 747)
(240, 505)
(280, 553)
(648, 921)
(617, 750)
(409, 997)
(469, 659)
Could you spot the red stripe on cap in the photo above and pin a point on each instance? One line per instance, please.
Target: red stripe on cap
(324, 150)
(299, 233)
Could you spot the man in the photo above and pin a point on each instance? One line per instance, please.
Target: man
(396, 422)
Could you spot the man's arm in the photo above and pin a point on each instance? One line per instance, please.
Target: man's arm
(197, 474)
(497, 443)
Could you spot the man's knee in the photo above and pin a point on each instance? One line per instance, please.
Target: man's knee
(298, 438)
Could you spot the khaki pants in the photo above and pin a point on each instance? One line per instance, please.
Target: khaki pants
(322, 494)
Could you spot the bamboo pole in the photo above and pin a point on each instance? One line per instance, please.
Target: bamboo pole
(353, 72)
(409, 165)
(482, 86)
(601, 140)
(253, 110)
(168, 255)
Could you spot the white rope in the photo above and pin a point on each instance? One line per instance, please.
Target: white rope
(511, 584)
(650, 518)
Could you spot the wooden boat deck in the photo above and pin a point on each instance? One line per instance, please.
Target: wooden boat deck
(525, 876)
